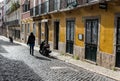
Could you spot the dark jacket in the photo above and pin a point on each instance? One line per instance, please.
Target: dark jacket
(31, 39)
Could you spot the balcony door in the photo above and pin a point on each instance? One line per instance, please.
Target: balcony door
(91, 39)
(56, 35)
(70, 36)
(46, 32)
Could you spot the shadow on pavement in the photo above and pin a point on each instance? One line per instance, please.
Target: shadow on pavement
(5, 43)
(12, 70)
(42, 58)
(52, 57)
(8, 43)
(2, 50)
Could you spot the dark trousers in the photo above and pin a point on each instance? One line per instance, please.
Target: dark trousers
(32, 49)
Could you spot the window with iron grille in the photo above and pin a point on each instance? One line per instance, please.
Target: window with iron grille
(71, 3)
(26, 7)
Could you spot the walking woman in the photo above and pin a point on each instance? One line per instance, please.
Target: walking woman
(31, 42)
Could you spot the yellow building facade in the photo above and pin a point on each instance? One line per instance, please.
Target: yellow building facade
(89, 32)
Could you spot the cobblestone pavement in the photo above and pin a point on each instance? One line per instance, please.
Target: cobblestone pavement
(17, 63)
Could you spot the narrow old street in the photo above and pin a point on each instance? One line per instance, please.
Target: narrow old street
(16, 64)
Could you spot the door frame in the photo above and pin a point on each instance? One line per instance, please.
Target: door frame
(55, 35)
(69, 19)
(39, 33)
(25, 32)
(46, 32)
(98, 45)
(115, 36)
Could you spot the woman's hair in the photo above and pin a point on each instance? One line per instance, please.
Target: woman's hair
(31, 34)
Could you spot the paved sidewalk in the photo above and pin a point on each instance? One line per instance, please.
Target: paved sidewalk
(85, 65)
(90, 67)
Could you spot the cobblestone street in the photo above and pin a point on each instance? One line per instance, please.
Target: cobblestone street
(16, 64)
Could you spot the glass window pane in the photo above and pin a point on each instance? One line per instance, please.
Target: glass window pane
(72, 31)
(22, 29)
(88, 32)
(28, 28)
(94, 32)
(68, 30)
(34, 29)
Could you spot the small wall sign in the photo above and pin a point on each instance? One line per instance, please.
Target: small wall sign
(80, 36)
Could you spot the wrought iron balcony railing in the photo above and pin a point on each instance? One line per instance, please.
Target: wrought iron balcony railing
(13, 23)
(25, 7)
(74, 3)
(53, 5)
(37, 10)
(34, 11)
(44, 7)
(31, 12)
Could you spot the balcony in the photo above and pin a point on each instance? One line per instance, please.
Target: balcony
(13, 23)
(75, 3)
(8, 11)
(59, 5)
(54, 5)
(31, 11)
(25, 15)
(44, 7)
(7, 1)
(25, 8)
(14, 7)
(35, 11)
(39, 9)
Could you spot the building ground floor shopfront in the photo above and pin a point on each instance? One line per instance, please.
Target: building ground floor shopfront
(14, 32)
(90, 33)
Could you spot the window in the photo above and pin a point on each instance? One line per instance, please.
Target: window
(17, 34)
(22, 28)
(26, 6)
(56, 4)
(34, 29)
(28, 28)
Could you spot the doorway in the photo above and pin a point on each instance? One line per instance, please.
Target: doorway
(39, 33)
(46, 32)
(91, 39)
(118, 43)
(70, 36)
(56, 35)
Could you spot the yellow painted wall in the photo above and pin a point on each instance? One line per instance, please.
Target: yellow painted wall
(37, 29)
(106, 34)
(62, 26)
(50, 25)
(43, 30)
